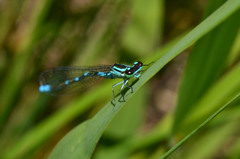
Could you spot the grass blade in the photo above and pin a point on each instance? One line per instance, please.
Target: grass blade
(234, 99)
(82, 140)
(205, 64)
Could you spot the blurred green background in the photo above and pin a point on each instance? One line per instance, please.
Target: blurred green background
(36, 35)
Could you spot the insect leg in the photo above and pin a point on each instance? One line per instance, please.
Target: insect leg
(124, 84)
(114, 101)
(129, 86)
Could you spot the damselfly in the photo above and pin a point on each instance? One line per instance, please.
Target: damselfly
(64, 79)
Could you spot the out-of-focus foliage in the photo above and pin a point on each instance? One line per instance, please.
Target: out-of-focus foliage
(41, 34)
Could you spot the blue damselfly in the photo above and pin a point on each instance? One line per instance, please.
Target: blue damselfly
(63, 79)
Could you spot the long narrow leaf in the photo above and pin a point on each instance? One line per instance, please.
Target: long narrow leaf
(206, 63)
(82, 140)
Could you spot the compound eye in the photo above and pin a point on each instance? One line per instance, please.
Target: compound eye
(128, 72)
(139, 63)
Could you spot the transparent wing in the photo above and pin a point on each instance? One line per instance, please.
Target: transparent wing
(63, 80)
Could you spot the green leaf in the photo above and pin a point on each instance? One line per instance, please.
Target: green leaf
(82, 140)
(47, 128)
(228, 85)
(129, 118)
(217, 134)
(174, 148)
(206, 63)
